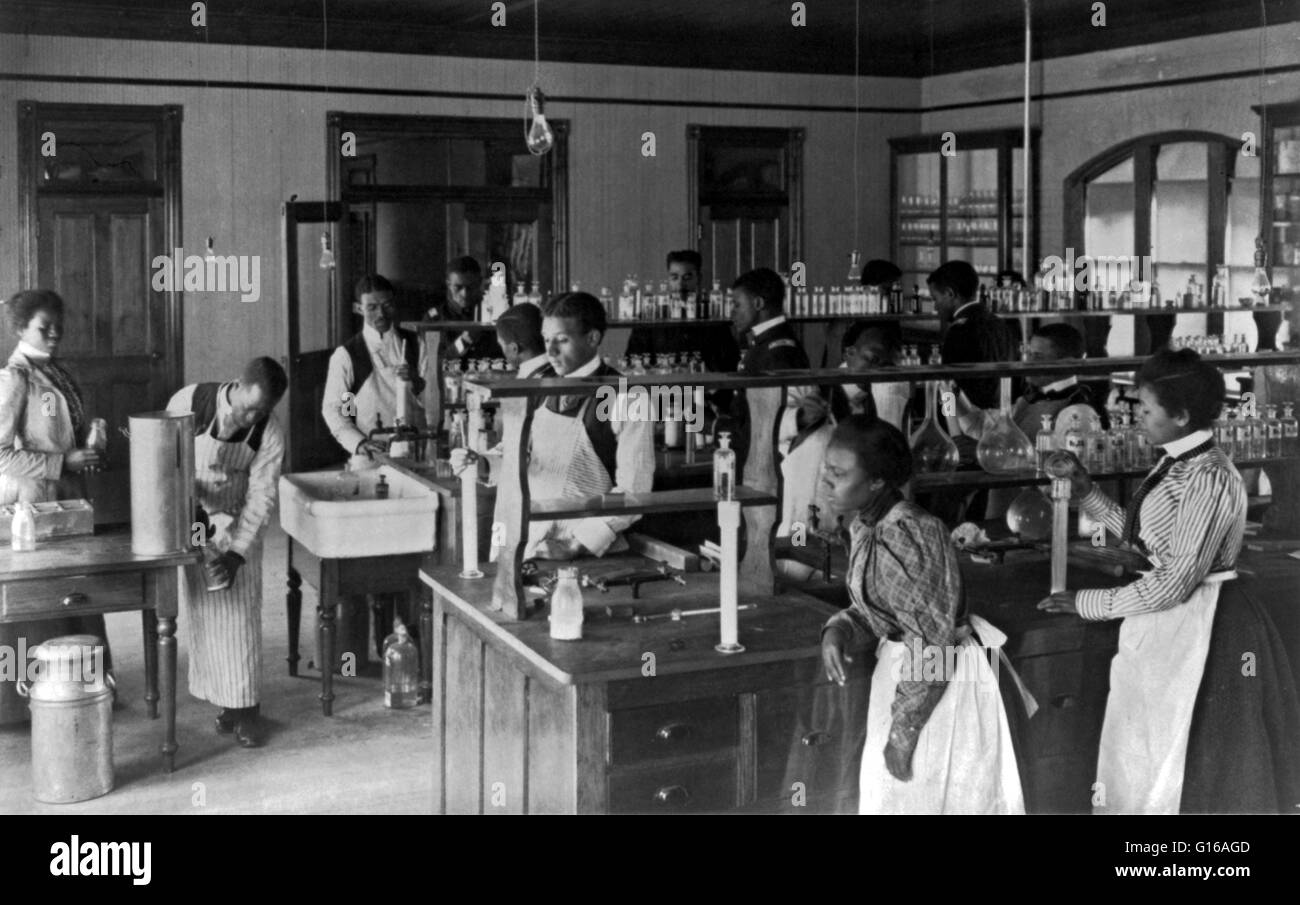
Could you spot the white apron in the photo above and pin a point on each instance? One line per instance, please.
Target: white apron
(562, 463)
(224, 628)
(964, 762)
(1154, 679)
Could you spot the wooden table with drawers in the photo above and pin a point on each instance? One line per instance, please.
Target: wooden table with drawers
(639, 718)
(98, 574)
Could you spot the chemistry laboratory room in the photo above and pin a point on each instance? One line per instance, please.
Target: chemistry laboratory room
(574, 407)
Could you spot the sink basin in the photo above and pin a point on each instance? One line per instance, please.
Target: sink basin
(313, 512)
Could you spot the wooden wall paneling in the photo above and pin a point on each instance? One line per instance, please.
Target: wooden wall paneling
(591, 722)
(505, 735)
(438, 649)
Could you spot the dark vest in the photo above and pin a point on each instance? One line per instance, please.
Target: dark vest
(204, 407)
(363, 367)
(598, 430)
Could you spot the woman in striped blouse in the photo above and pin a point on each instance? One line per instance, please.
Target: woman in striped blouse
(1175, 727)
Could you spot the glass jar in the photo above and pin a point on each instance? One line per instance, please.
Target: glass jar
(401, 670)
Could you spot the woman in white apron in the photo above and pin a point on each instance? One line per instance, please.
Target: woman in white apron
(42, 420)
(938, 740)
(238, 452)
(1188, 517)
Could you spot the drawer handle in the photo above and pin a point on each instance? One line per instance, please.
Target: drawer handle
(672, 795)
(1064, 701)
(816, 738)
(76, 598)
(672, 732)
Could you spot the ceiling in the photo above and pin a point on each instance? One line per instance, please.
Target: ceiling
(908, 38)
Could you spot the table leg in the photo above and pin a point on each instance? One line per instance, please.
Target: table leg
(426, 645)
(150, 620)
(293, 607)
(167, 661)
(326, 633)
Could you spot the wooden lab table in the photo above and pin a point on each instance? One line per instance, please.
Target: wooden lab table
(98, 574)
(639, 718)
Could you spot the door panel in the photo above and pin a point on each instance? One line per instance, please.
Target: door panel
(96, 252)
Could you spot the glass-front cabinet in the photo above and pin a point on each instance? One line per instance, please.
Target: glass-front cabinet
(1280, 196)
(958, 196)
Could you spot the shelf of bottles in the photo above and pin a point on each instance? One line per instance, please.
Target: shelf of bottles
(1113, 297)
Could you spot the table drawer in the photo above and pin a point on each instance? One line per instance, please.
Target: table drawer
(672, 730)
(71, 594)
(1071, 694)
(676, 789)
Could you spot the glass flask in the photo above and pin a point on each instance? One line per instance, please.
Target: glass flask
(724, 469)
(1044, 443)
(1003, 447)
(1030, 514)
(932, 449)
(401, 669)
(566, 606)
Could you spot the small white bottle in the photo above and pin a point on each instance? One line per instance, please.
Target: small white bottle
(566, 606)
(724, 469)
(23, 529)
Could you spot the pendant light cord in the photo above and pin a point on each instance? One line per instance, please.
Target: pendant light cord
(537, 48)
(857, 114)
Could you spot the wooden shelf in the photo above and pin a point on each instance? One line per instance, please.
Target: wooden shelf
(588, 386)
(1141, 312)
(642, 503)
(973, 480)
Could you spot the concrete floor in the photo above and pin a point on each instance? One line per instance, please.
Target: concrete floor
(365, 759)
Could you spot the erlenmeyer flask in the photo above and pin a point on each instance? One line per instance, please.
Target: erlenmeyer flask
(1003, 447)
(932, 449)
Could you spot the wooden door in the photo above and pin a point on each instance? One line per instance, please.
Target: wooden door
(96, 252)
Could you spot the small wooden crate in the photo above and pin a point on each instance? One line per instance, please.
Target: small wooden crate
(60, 518)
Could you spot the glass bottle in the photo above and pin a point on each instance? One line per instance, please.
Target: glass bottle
(22, 537)
(724, 469)
(1095, 446)
(1258, 436)
(381, 488)
(1116, 458)
(520, 296)
(1003, 447)
(1273, 428)
(1074, 439)
(566, 606)
(535, 294)
(717, 301)
(401, 669)
(347, 484)
(1241, 435)
(1223, 433)
(932, 449)
(1132, 442)
(1219, 288)
(1044, 444)
(1290, 429)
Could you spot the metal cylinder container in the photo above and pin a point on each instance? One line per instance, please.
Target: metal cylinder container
(162, 482)
(71, 699)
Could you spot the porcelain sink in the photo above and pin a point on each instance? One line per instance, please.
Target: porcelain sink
(317, 511)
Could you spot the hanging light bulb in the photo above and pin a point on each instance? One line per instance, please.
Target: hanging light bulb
(540, 138)
(211, 254)
(326, 254)
(1260, 287)
(855, 267)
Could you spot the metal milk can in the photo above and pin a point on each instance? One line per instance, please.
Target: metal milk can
(71, 699)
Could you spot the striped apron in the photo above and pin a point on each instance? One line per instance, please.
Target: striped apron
(562, 463)
(224, 628)
(1154, 679)
(964, 762)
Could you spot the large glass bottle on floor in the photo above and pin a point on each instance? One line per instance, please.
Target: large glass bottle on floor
(1003, 447)
(932, 449)
(401, 670)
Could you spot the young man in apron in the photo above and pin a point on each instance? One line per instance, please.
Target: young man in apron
(1188, 517)
(238, 453)
(584, 445)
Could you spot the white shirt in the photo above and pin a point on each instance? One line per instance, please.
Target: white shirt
(1059, 385)
(761, 328)
(32, 352)
(957, 313)
(351, 411)
(532, 366)
(1183, 444)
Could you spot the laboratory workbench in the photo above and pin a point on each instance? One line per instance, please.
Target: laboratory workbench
(645, 718)
(96, 574)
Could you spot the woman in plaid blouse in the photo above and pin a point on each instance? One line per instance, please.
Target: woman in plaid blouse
(938, 741)
(1188, 728)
